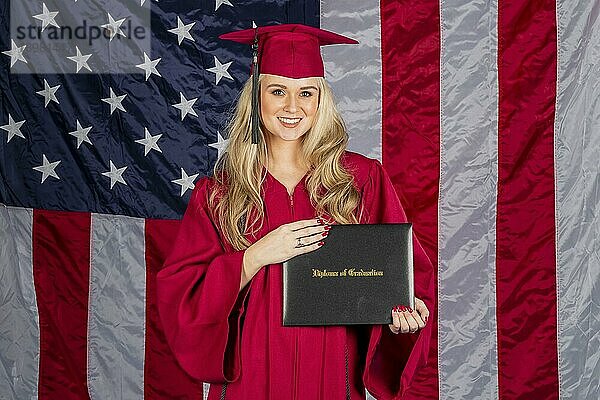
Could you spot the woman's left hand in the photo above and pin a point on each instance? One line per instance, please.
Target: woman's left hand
(407, 320)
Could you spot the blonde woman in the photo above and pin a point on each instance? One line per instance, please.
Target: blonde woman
(220, 291)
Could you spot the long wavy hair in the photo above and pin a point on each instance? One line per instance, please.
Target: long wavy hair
(237, 201)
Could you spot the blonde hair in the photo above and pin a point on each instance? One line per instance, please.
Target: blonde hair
(237, 202)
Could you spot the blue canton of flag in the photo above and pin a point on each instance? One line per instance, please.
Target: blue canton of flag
(130, 144)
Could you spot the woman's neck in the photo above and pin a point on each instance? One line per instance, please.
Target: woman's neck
(285, 163)
(285, 156)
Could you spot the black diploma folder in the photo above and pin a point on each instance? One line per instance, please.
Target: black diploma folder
(357, 277)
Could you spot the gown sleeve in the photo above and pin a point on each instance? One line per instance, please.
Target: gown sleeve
(199, 300)
(392, 360)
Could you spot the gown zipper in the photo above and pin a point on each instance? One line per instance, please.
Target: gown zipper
(348, 395)
(295, 394)
(223, 391)
(295, 386)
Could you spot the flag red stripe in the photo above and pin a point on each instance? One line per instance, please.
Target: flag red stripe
(526, 290)
(163, 378)
(410, 43)
(61, 259)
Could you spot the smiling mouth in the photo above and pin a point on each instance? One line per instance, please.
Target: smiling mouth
(289, 121)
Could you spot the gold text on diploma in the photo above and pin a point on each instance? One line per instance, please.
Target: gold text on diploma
(346, 272)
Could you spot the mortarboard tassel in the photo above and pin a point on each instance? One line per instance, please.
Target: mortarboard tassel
(255, 117)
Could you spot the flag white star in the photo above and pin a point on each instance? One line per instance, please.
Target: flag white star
(47, 17)
(13, 128)
(15, 53)
(49, 93)
(115, 174)
(186, 182)
(81, 134)
(47, 168)
(182, 31)
(219, 3)
(149, 66)
(81, 60)
(114, 101)
(220, 70)
(150, 142)
(114, 27)
(220, 145)
(185, 106)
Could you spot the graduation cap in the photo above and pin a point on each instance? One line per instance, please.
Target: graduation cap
(288, 50)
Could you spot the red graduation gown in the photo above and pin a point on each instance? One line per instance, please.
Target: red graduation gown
(236, 340)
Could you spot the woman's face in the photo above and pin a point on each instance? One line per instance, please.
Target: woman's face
(288, 106)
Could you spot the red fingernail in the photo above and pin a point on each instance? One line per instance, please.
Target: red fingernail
(410, 309)
(321, 243)
(325, 233)
(327, 227)
(403, 308)
(320, 221)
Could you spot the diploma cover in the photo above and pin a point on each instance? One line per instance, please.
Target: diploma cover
(357, 277)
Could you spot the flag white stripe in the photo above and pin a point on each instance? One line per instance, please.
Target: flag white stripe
(19, 318)
(467, 205)
(117, 308)
(577, 174)
(354, 71)
(205, 390)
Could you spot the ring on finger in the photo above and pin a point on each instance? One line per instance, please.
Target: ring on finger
(299, 242)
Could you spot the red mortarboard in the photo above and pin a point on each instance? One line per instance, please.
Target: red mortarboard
(289, 50)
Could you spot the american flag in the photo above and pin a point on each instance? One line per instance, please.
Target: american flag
(486, 114)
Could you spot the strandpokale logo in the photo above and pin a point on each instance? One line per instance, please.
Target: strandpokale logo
(118, 29)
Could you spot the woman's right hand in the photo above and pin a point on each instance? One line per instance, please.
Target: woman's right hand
(282, 243)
